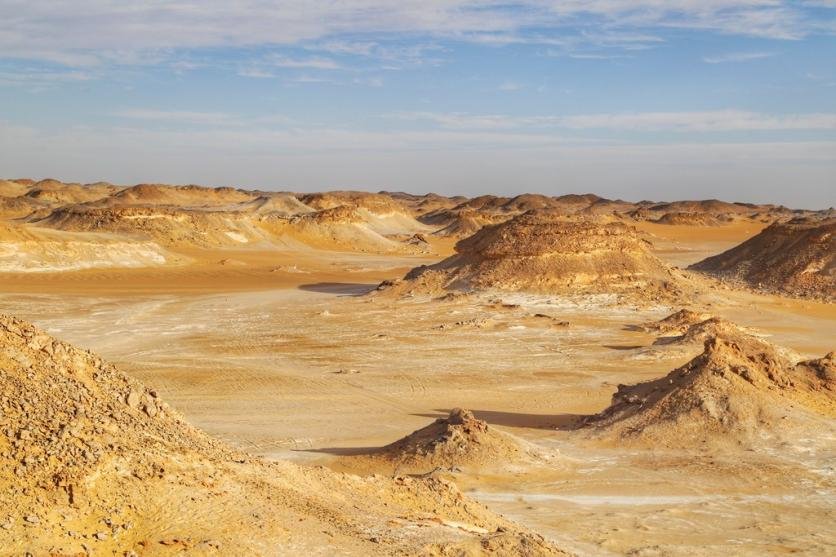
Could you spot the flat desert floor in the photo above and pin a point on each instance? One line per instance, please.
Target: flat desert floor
(287, 356)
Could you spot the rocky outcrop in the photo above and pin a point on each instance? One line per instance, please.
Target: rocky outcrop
(545, 252)
(739, 390)
(796, 257)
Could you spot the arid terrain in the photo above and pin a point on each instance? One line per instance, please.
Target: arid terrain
(358, 373)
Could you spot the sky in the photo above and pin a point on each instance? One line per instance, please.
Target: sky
(630, 99)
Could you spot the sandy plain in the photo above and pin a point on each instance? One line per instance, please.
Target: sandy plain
(286, 355)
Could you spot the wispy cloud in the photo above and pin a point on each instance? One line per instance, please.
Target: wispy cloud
(590, 55)
(175, 116)
(464, 121)
(315, 63)
(271, 66)
(214, 121)
(304, 78)
(737, 57)
(84, 31)
(42, 78)
(695, 122)
(510, 86)
(706, 121)
(255, 73)
(385, 55)
(369, 81)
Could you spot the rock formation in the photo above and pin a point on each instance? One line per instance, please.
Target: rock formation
(544, 252)
(91, 461)
(796, 257)
(740, 390)
(459, 440)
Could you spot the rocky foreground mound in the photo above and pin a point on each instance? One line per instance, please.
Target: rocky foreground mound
(701, 331)
(458, 441)
(690, 327)
(738, 391)
(796, 257)
(544, 252)
(92, 462)
(674, 324)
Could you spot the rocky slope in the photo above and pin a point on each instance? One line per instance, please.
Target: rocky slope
(181, 196)
(459, 441)
(91, 461)
(674, 324)
(544, 252)
(168, 226)
(796, 257)
(25, 249)
(342, 228)
(741, 390)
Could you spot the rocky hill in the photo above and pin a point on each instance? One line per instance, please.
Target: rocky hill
(92, 461)
(740, 390)
(796, 257)
(459, 441)
(546, 252)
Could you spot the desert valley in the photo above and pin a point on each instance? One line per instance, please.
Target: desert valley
(222, 371)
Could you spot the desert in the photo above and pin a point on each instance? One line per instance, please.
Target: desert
(458, 278)
(215, 371)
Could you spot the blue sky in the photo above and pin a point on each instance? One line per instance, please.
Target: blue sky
(632, 99)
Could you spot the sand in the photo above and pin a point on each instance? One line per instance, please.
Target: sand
(281, 353)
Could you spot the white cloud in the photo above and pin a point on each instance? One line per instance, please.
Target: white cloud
(316, 63)
(309, 79)
(255, 73)
(370, 81)
(737, 57)
(85, 31)
(353, 48)
(695, 122)
(590, 55)
(33, 77)
(510, 86)
(388, 56)
(707, 121)
(463, 121)
(176, 116)
(215, 120)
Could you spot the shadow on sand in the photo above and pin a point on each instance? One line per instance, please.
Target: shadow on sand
(341, 451)
(339, 288)
(563, 422)
(623, 346)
